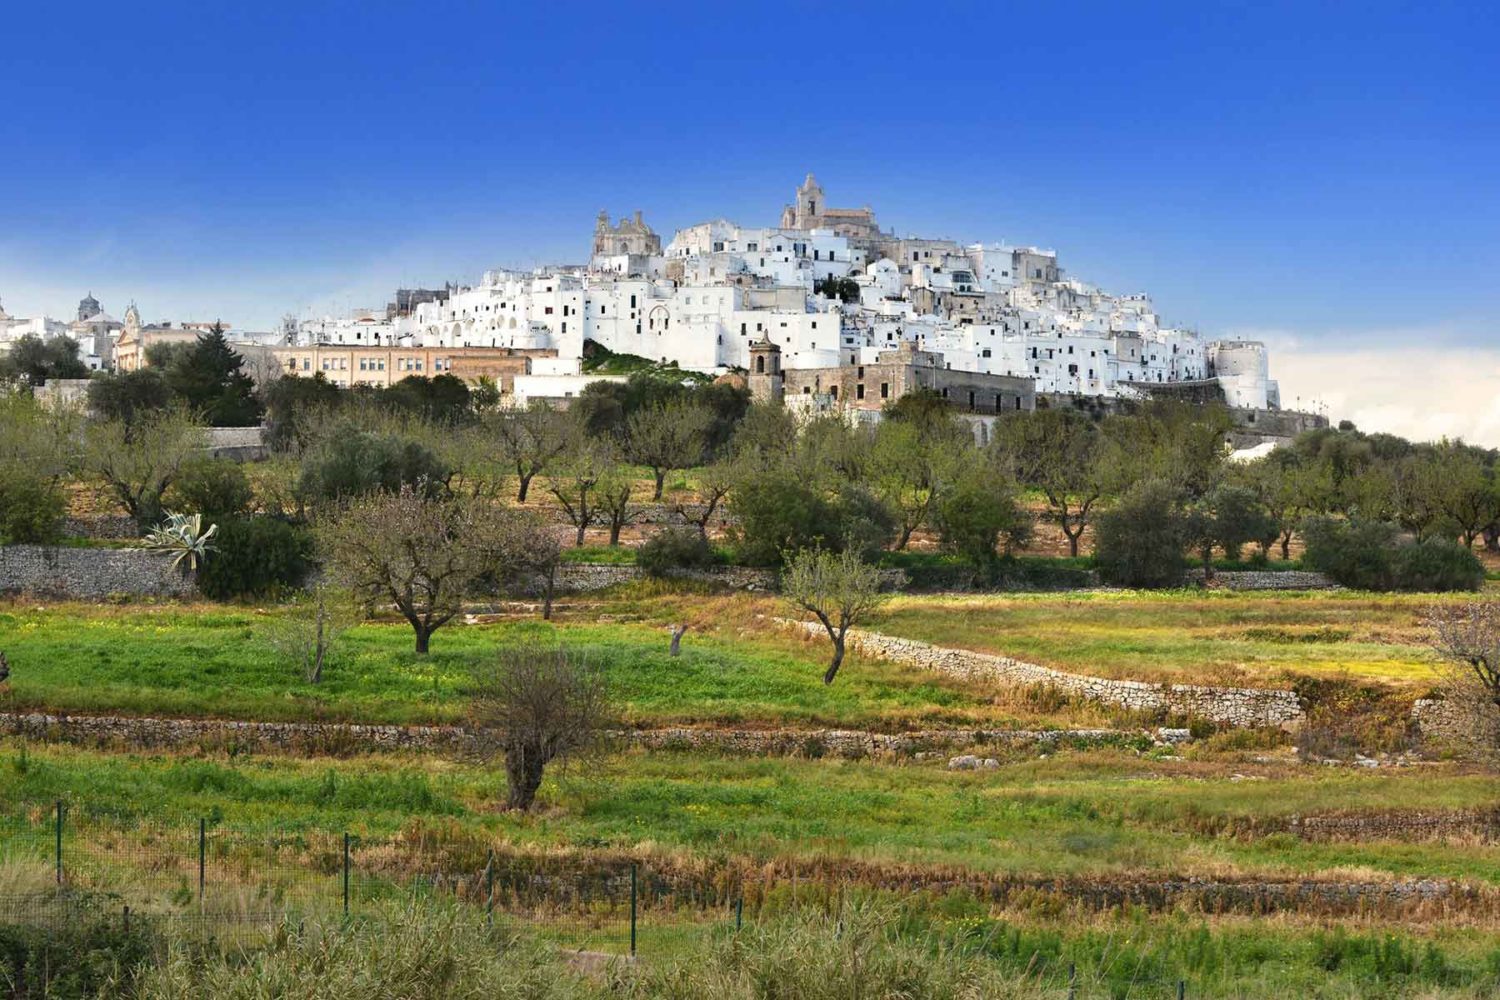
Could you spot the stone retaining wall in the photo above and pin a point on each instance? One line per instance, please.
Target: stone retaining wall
(89, 574)
(1235, 706)
(1265, 580)
(349, 738)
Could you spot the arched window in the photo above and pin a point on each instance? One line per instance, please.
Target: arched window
(760, 364)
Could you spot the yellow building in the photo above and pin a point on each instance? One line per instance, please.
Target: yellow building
(346, 365)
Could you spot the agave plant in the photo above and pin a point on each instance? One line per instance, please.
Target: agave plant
(184, 536)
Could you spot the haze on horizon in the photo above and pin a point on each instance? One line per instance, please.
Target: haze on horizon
(1321, 179)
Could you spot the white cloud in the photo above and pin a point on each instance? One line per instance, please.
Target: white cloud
(1418, 385)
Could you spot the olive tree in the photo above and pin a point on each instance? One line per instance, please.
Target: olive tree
(531, 437)
(670, 435)
(138, 461)
(573, 481)
(422, 554)
(536, 706)
(1060, 454)
(839, 589)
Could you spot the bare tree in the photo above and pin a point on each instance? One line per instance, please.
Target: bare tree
(574, 479)
(1467, 636)
(537, 706)
(530, 437)
(615, 508)
(308, 633)
(424, 555)
(138, 461)
(671, 436)
(838, 589)
(714, 484)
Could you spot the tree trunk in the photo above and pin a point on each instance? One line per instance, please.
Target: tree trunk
(524, 487)
(661, 478)
(904, 537)
(1492, 538)
(582, 524)
(614, 531)
(523, 773)
(547, 597)
(1286, 546)
(838, 660)
(1073, 537)
(424, 636)
(317, 666)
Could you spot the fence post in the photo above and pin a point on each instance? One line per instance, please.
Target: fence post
(202, 858)
(1072, 981)
(633, 894)
(126, 915)
(489, 888)
(59, 831)
(346, 874)
(739, 914)
(1181, 989)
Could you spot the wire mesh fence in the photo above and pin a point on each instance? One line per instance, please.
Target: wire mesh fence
(209, 874)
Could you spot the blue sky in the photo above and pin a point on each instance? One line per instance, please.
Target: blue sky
(1324, 176)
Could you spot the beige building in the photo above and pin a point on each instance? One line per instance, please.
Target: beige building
(348, 365)
(135, 338)
(894, 374)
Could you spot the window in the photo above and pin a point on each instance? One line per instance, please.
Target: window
(885, 390)
(833, 391)
(984, 353)
(859, 391)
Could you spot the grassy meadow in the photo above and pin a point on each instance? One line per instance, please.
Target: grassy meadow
(1257, 639)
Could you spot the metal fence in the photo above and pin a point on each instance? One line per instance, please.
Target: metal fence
(209, 874)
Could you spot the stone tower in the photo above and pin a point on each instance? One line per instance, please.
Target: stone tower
(809, 203)
(767, 384)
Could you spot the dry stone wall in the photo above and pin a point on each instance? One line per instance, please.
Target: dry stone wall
(345, 738)
(89, 574)
(1265, 580)
(1235, 706)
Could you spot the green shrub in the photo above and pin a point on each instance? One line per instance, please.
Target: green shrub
(674, 548)
(71, 950)
(1354, 553)
(213, 487)
(1372, 555)
(779, 512)
(254, 556)
(1436, 564)
(355, 463)
(1139, 542)
(31, 509)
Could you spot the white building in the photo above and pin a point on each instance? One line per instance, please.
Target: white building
(717, 286)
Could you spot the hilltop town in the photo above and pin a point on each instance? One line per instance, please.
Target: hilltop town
(824, 311)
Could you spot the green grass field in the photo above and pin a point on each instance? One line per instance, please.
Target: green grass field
(1097, 814)
(212, 661)
(1255, 639)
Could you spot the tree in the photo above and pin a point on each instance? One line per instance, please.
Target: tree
(422, 554)
(1289, 489)
(1466, 493)
(839, 589)
(537, 706)
(293, 409)
(712, 487)
(836, 287)
(32, 360)
(782, 509)
(351, 463)
(904, 471)
(214, 487)
(1059, 453)
(1139, 541)
(310, 630)
(36, 449)
(614, 490)
(137, 462)
(1468, 637)
(975, 512)
(127, 395)
(1229, 517)
(575, 479)
(209, 377)
(672, 435)
(531, 437)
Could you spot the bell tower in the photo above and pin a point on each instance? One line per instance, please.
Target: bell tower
(767, 384)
